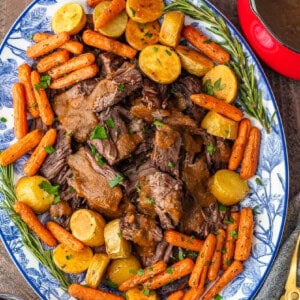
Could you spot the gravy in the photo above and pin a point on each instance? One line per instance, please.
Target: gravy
(282, 17)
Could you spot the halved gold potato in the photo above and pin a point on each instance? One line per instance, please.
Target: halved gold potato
(69, 18)
(160, 63)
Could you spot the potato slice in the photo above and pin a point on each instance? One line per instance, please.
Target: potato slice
(144, 11)
(228, 187)
(88, 226)
(222, 83)
(71, 261)
(193, 61)
(70, 18)
(116, 27)
(171, 27)
(160, 63)
(218, 125)
(140, 35)
(139, 294)
(96, 270)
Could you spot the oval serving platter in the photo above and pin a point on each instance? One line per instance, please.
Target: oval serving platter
(269, 188)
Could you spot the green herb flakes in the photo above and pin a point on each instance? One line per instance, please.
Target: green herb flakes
(110, 123)
(170, 270)
(49, 149)
(3, 120)
(171, 164)
(168, 52)
(121, 87)
(115, 181)
(158, 123)
(99, 132)
(44, 82)
(140, 272)
(49, 188)
(211, 149)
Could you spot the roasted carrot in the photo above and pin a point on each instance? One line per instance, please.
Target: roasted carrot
(74, 77)
(102, 42)
(64, 236)
(250, 159)
(205, 45)
(109, 13)
(230, 241)
(52, 60)
(93, 3)
(71, 45)
(85, 293)
(45, 46)
(203, 276)
(174, 272)
(193, 293)
(24, 73)
(235, 268)
(179, 239)
(178, 295)
(20, 116)
(39, 154)
(219, 106)
(216, 261)
(75, 63)
(33, 222)
(238, 148)
(245, 235)
(148, 273)
(46, 112)
(203, 259)
(21, 147)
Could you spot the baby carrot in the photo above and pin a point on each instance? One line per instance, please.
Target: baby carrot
(54, 59)
(85, 293)
(109, 13)
(102, 42)
(216, 261)
(148, 273)
(234, 269)
(203, 259)
(33, 222)
(250, 159)
(20, 116)
(239, 145)
(244, 241)
(230, 241)
(205, 45)
(24, 73)
(74, 77)
(194, 293)
(39, 154)
(178, 295)
(219, 106)
(21, 147)
(73, 64)
(179, 239)
(46, 112)
(174, 272)
(64, 236)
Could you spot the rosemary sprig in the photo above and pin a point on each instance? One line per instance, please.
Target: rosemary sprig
(250, 96)
(32, 243)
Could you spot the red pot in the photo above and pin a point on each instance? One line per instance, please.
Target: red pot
(266, 44)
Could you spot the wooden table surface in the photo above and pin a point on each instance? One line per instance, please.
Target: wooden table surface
(287, 94)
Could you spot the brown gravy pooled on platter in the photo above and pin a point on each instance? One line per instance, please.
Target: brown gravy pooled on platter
(282, 17)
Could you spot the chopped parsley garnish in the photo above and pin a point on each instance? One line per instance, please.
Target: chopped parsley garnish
(3, 119)
(110, 123)
(228, 262)
(150, 201)
(119, 234)
(180, 254)
(131, 271)
(255, 210)
(49, 188)
(168, 52)
(158, 123)
(49, 149)
(68, 257)
(93, 150)
(230, 221)
(56, 200)
(99, 132)
(71, 189)
(218, 86)
(138, 188)
(121, 87)
(148, 34)
(258, 181)
(44, 82)
(208, 88)
(170, 270)
(70, 133)
(140, 272)
(133, 11)
(211, 149)
(218, 297)
(223, 251)
(111, 284)
(131, 131)
(234, 234)
(171, 164)
(221, 207)
(155, 49)
(115, 181)
(99, 159)
(146, 292)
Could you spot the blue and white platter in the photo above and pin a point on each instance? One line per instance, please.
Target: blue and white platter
(269, 188)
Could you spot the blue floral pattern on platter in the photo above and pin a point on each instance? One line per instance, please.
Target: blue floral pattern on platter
(269, 188)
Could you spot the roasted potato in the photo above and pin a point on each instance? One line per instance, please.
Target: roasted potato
(221, 82)
(71, 261)
(140, 35)
(218, 125)
(116, 246)
(160, 63)
(69, 18)
(114, 28)
(144, 11)
(96, 269)
(122, 269)
(193, 61)
(88, 226)
(29, 191)
(228, 187)
(139, 294)
(171, 27)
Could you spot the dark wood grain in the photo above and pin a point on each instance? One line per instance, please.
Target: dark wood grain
(287, 94)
